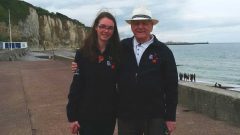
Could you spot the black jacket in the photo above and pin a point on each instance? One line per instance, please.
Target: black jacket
(150, 89)
(92, 93)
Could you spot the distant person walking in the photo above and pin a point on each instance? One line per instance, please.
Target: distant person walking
(191, 77)
(181, 76)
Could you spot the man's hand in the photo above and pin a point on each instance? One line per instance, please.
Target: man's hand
(74, 67)
(74, 127)
(171, 125)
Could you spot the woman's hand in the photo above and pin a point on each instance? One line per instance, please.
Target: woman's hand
(74, 127)
(74, 67)
(171, 125)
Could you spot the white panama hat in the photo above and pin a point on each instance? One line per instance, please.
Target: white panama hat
(142, 13)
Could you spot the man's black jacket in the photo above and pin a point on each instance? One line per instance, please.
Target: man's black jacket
(150, 89)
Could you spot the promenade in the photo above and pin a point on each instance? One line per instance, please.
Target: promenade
(33, 97)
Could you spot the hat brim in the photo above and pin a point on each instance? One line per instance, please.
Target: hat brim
(142, 19)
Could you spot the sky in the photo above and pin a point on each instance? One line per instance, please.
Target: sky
(213, 21)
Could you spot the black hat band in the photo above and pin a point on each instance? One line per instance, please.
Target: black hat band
(143, 16)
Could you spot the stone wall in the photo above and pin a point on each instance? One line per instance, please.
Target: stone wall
(216, 103)
(12, 55)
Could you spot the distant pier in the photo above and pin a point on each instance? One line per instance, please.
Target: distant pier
(185, 43)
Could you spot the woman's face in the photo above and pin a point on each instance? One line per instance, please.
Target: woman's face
(105, 29)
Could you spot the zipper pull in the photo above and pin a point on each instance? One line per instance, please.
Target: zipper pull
(136, 77)
(76, 72)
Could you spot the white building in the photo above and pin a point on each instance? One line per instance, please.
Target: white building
(13, 45)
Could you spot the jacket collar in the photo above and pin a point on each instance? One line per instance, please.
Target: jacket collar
(131, 44)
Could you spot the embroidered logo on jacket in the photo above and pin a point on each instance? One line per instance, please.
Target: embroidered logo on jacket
(109, 61)
(153, 58)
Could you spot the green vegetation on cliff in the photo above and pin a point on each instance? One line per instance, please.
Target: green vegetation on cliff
(18, 9)
(42, 11)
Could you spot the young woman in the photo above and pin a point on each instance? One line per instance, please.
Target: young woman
(91, 107)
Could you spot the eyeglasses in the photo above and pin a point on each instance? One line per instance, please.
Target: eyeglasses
(105, 27)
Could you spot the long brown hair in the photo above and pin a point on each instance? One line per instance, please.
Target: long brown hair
(91, 42)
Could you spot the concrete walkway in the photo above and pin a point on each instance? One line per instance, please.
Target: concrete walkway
(33, 97)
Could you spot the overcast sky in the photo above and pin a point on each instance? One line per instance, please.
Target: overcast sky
(179, 20)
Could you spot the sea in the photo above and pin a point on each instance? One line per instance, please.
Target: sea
(212, 63)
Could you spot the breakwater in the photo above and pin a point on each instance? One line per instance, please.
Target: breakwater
(12, 55)
(214, 102)
(185, 43)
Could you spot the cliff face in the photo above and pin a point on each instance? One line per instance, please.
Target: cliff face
(29, 29)
(56, 32)
(45, 32)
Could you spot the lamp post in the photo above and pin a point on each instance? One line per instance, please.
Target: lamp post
(10, 31)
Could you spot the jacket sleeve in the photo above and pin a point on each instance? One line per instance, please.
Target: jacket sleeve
(171, 86)
(74, 95)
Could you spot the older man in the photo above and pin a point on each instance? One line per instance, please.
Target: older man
(148, 81)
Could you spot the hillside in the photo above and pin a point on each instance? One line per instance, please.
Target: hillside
(39, 27)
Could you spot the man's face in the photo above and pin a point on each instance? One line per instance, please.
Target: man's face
(142, 30)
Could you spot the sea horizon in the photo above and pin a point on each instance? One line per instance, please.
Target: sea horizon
(212, 63)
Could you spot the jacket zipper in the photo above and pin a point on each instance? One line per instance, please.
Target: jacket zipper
(136, 77)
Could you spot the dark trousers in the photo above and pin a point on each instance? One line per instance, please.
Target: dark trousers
(97, 127)
(140, 127)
